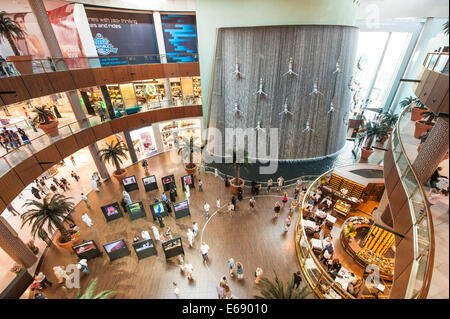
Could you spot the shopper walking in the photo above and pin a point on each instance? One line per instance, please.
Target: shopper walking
(297, 279)
(94, 183)
(258, 275)
(195, 228)
(176, 291)
(31, 123)
(12, 210)
(277, 209)
(41, 189)
(200, 185)
(234, 201)
(127, 197)
(24, 136)
(204, 248)
(44, 186)
(83, 266)
(75, 176)
(218, 204)
(227, 181)
(187, 193)
(239, 270)
(230, 208)
(54, 189)
(85, 199)
(35, 192)
(280, 182)
(188, 270)
(43, 281)
(206, 208)
(287, 223)
(73, 160)
(227, 292)
(251, 203)
(285, 198)
(169, 233)
(145, 166)
(190, 235)
(231, 266)
(296, 191)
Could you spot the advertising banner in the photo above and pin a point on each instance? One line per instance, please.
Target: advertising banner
(180, 37)
(32, 43)
(66, 32)
(118, 33)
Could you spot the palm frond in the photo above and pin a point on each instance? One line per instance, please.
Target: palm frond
(276, 289)
(89, 292)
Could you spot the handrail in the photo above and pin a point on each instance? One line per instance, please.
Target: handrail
(11, 67)
(65, 130)
(301, 234)
(441, 62)
(418, 219)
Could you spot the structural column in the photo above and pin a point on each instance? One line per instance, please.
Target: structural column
(130, 146)
(14, 246)
(382, 215)
(433, 151)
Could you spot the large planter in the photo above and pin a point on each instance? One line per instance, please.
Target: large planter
(417, 113)
(365, 153)
(190, 170)
(50, 129)
(422, 127)
(22, 63)
(354, 123)
(68, 245)
(120, 176)
(234, 188)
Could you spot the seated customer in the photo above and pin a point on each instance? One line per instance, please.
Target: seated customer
(335, 267)
(354, 287)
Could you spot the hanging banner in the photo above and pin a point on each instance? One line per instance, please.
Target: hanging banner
(180, 37)
(120, 33)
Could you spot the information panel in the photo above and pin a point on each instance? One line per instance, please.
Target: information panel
(112, 211)
(87, 250)
(150, 183)
(187, 180)
(168, 181)
(158, 209)
(136, 210)
(117, 249)
(173, 247)
(130, 183)
(181, 209)
(144, 248)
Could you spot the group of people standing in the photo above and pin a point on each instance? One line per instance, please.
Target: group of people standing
(10, 139)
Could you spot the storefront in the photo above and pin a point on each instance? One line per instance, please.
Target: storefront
(144, 142)
(173, 132)
(186, 91)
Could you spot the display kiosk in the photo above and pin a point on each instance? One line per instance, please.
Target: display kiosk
(136, 210)
(168, 181)
(87, 250)
(173, 247)
(112, 211)
(181, 209)
(144, 248)
(187, 180)
(117, 249)
(149, 183)
(158, 208)
(130, 183)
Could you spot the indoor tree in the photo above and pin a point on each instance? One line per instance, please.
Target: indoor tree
(406, 101)
(389, 119)
(276, 289)
(238, 165)
(187, 150)
(89, 292)
(373, 130)
(113, 153)
(43, 115)
(10, 30)
(51, 212)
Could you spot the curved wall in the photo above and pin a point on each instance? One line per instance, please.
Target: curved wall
(265, 52)
(18, 177)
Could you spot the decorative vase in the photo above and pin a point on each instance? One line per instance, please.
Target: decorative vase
(120, 176)
(234, 188)
(191, 170)
(50, 128)
(68, 245)
(417, 113)
(365, 153)
(422, 127)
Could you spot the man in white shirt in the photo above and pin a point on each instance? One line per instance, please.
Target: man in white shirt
(204, 248)
(84, 197)
(206, 207)
(83, 266)
(434, 196)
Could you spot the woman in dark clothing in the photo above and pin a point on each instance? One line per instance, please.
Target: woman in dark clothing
(35, 192)
(168, 208)
(227, 181)
(55, 109)
(24, 136)
(233, 201)
(123, 203)
(173, 194)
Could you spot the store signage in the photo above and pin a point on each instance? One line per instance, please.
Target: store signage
(104, 47)
(150, 89)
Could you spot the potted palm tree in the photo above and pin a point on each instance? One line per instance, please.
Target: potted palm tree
(372, 131)
(187, 150)
(389, 120)
(383, 133)
(113, 153)
(238, 182)
(276, 289)
(417, 110)
(89, 292)
(46, 120)
(52, 213)
(11, 31)
(426, 124)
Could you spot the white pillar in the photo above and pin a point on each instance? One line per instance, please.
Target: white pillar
(158, 138)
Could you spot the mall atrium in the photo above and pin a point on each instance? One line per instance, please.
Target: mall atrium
(212, 149)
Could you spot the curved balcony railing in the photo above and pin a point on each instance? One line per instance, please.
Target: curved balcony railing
(324, 286)
(437, 62)
(35, 66)
(422, 224)
(41, 140)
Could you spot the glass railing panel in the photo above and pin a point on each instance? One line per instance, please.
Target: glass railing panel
(402, 164)
(410, 183)
(4, 167)
(420, 275)
(18, 156)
